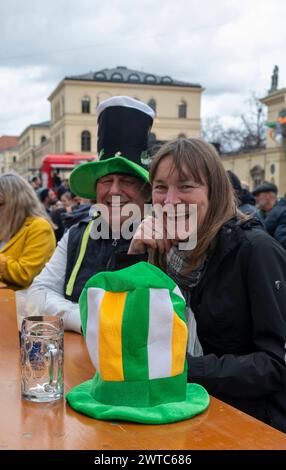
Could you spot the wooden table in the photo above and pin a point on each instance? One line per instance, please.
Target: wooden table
(25, 425)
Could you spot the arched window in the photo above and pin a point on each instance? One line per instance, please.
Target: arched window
(117, 77)
(182, 111)
(133, 77)
(152, 104)
(43, 139)
(85, 105)
(166, 80)
(85, 141)
(99, 76)
(150, 78)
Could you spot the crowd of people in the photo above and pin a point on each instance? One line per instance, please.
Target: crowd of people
(233, 280)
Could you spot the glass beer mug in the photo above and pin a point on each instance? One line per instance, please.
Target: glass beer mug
(29, 303)
(42, 354)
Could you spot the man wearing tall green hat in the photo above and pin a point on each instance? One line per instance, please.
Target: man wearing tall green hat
(118, 178)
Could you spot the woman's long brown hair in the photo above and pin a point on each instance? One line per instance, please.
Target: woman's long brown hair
(201, 160)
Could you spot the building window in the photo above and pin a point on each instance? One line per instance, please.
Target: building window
(100, 76)
(57, 111)
(133, 77)
(166, 80)
(57, 143)
(14, 159)
(43, 139)
(182, 112)
(150, 78)
(85, 105)
(152, 104)
(85, 141)
(117, 77)
(152, 139)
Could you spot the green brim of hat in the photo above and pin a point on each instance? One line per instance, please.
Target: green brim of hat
(84, 177)
(197, 401)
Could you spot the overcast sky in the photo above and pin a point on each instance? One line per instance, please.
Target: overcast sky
(228, 46)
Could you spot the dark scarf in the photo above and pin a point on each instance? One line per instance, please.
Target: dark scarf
(177, 262)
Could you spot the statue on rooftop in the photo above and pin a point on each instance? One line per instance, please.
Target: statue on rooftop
(274, 78)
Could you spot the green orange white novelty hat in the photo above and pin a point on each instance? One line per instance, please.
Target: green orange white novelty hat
(134, 324)
(122, 141)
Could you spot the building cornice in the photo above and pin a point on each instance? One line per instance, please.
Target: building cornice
(272, 97)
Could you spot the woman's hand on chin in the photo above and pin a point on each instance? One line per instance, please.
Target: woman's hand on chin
(150, 234)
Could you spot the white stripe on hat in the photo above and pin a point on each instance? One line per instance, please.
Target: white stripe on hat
(127, 102)
(178, 292)
(94, 299)
(161, 314)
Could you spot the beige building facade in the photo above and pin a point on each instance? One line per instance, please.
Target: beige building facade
(9, 159)
(73, 106)
(268, 164)
(31, 139)
(9, 155)
(73, 125)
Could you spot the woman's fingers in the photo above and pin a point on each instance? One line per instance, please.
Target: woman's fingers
(143, 237)
(151, 233)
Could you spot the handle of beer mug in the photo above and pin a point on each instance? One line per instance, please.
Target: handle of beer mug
(54, 353)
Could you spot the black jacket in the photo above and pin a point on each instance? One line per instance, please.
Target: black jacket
(100, 255)
(240, 309)
(275, 222)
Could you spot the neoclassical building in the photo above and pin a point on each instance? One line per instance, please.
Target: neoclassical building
(33, 137)
(177, 106)
(73, 124)
(269, 163)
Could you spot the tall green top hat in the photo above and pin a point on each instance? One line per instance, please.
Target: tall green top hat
(136, 334)
(122, 139)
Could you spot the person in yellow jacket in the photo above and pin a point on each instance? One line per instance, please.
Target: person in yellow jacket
(27, 239)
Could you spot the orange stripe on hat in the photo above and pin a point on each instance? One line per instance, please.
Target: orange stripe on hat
(110, 336)
(179, 340)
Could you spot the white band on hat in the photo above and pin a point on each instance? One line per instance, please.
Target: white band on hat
(161, 314)
(127, 102)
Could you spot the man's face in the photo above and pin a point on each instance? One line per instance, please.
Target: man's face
(52, 197)
(125, 187)
(36, 183)
(265, 200)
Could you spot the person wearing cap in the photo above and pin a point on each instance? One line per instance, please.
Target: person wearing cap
(233, 278)
(123, 127)
(271, 211)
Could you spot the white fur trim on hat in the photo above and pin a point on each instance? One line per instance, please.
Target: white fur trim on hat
(125, 101)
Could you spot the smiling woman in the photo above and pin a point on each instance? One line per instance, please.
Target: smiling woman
(229, 281)
(26, 235)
